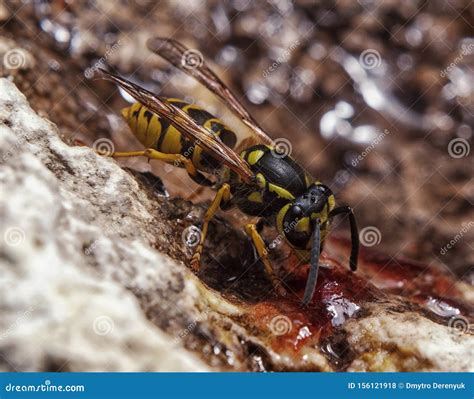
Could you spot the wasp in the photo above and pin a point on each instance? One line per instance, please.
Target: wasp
(257, 179)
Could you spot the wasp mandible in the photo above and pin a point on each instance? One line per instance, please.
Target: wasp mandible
(259, 181)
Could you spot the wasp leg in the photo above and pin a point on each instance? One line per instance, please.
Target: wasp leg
(222, 196)
(346, 210)
(252, 231)
(170, 158)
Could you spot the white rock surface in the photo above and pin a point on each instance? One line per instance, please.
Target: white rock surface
(62, 308)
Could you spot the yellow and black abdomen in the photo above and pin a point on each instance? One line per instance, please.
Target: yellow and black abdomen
(156, 132)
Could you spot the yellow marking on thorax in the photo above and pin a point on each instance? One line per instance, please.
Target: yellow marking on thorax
(331, 202)
(280, 191)
(303, 225)
(260, 180)
(279, 219)
(256, 196)
(254, 156)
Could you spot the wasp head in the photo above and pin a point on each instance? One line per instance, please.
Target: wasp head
(297, 219)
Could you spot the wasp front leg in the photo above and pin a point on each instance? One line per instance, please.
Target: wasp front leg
(222, 197)
(252, 231)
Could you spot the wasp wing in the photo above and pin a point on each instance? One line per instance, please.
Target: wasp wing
(192, 63)
(185, 124)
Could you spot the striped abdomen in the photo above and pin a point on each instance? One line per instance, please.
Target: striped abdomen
(157, 133)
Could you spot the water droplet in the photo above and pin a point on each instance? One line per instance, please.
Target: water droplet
(257, 93)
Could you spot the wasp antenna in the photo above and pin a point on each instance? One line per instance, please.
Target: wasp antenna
(346, 210)
(314, 266)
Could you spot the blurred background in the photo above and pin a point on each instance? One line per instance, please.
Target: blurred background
(374, 97)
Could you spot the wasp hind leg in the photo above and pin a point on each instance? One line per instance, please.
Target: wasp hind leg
(252, 231)
(222, 197)
(151, 153)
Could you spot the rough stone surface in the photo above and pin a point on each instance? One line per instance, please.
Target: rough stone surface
(85, 283)
(64, 307)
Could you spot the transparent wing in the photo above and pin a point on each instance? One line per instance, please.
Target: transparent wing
(186, 125)
(192, 63)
